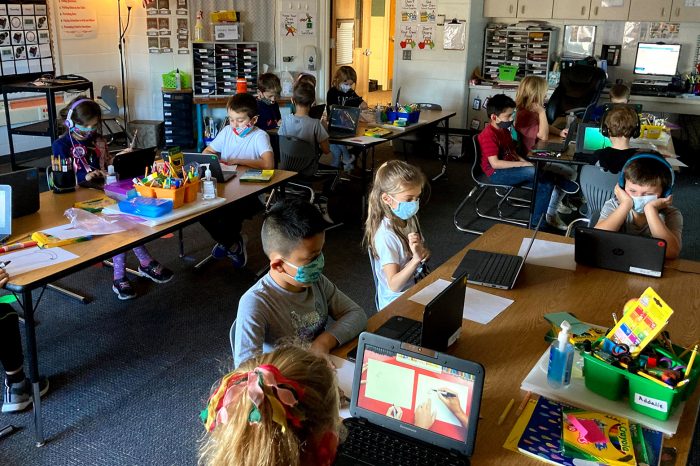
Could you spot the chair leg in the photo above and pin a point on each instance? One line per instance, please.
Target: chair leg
(69, 293)
(136, 273)
(500, 218)
(203, 262)
(459, 210)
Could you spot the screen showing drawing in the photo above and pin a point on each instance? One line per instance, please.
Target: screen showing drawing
(344, 119)
(416, 392)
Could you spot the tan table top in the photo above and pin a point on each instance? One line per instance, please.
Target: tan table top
(54, 205)
(509, 345)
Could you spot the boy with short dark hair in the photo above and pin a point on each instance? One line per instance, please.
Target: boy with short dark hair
(502, 164)
(300, 125)
(269, 89)
(239, 143)
(619, 94)
(643, 207)
(621, 121)
(294, 300)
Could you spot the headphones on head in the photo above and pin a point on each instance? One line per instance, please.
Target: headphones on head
(669, 189)
(69, 121)
(636, 132)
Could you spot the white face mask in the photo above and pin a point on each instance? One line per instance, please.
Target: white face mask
(345, 87)
(641, 201)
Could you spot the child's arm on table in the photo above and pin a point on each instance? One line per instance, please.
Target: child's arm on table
(614, 221)
(265, 162)
(658, 227)
(498, 164)
(350, 319)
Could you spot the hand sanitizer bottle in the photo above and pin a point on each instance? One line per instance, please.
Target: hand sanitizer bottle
(111, 175)
(561, 358)
(208, 184)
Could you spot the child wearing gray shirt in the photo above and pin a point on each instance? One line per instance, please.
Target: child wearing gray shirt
(294, 300)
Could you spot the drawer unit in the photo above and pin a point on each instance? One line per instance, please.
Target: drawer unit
(218, 65)
(178, 117)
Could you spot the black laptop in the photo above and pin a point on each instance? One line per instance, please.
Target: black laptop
(556, 146)
(127, 165)
(343, 121)
(392, 379)
(25, 191)
(620, 251)
(494, 269)
(441, 325)
(217, 171)
(316, 112)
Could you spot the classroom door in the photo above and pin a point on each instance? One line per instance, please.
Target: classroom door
(351, 16)
(381, 43)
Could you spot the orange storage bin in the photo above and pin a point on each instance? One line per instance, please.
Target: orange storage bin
(191, 190)
(177, 195)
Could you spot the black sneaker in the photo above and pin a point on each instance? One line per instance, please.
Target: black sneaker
(123, 289)
(18, 396)
(156, 272)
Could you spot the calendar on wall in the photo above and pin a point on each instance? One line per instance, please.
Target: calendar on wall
(25, 41)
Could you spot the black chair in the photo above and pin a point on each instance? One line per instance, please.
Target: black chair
(579, 87)
(424, 139)
(483, 184)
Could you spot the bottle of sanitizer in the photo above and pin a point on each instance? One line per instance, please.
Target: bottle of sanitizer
(111, 175)
(561, 358)
(208, 184)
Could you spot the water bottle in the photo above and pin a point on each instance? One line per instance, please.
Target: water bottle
(570, 118)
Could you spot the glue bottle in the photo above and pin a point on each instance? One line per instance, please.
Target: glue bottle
(199, 28)
(111, 175)
(178, 79)
(561, 358)
(208, 184)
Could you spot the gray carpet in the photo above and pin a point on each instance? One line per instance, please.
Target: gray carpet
(128, 379)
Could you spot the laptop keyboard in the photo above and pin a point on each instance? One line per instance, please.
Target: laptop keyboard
(413, 334)
(496, 269)
(372, 445)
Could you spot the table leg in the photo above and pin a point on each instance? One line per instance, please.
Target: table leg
(535, 182)
(443, 171)
(13, 163)
(27, 305)
(200, 128)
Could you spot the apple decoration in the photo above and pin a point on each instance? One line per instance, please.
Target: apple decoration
(421, 45)
(402, 44)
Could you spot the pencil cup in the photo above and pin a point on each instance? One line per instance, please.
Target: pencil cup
(61, 182)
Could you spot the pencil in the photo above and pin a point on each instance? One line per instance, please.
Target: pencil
(692, 359)
(506, 411)
(687, 350)
(520, 409)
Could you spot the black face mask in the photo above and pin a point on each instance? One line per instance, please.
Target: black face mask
(505, 124)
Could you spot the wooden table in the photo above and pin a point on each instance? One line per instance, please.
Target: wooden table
(509, 346)
(104, 247)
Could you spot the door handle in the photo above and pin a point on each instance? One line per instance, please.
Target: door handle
(583, 10)
(595, 12)
(522, 10)
(678, 11)
(510, 8)
(663, 10)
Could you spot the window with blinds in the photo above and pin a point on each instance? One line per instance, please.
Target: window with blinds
(344, 42)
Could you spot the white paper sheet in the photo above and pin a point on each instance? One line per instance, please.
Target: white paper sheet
(549, 254)
(364, 139)
(426, 390)
(26, 260)
(675, 162)
(389, 384)
(482, 307)
(429, 293)
(345, 371)
(67, 231)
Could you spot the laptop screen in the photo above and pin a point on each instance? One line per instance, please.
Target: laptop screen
(593, 139)
(345, 119)
(417, 392)
(5, 210)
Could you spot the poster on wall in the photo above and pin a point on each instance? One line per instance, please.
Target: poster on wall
(288, 23)
(307, 24)
(428, 11)
(25, 41)
(77, 19)
(407, 35)
(662, 30)
(409, 10)
(426, 34)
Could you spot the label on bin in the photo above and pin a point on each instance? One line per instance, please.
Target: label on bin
(653, 403)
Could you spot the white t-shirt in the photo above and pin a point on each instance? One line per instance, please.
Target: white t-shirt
(390, 250)
(231, 146)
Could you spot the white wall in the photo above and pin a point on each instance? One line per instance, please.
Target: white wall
(441, 76)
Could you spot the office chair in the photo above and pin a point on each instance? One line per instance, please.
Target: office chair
(483, 184)
(597, 186)
(579, 88)
(110, 110)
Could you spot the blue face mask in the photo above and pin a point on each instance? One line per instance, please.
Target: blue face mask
(641, 201)
(405, 209)
(309, 273)
(243, 132)
(83, 131)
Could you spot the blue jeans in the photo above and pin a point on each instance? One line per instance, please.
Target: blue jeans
(341, 153)
(524, 176)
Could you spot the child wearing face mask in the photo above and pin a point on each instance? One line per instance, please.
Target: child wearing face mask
(239, 143)
(83, 143)
(269, 89)
(342, 93)
(503, 165)
(392, 233)
(643, 203)
(294, 299)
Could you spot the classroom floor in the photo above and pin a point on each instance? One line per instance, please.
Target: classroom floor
(128, 379)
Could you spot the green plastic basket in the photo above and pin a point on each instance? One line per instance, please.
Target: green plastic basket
(169, 81)
(507, 72)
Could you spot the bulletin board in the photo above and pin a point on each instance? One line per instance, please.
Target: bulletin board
(25, 41)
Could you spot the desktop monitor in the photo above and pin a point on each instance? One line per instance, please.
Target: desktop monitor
(657, 59)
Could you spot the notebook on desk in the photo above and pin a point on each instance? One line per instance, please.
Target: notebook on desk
(441, 325)
(494, 269)
(389, 385)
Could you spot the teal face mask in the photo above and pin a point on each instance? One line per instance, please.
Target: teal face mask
(406, 209)
(309, 273)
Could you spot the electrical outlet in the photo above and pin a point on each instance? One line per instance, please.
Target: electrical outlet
(288, 59)
(406, 54)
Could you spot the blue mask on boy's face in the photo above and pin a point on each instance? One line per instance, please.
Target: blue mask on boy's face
(406, 209)
(641, 201)
(309, 273)
(243, 132)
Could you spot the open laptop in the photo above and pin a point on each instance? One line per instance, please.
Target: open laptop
(25, 191)
(127, 166)
(392, 379)
(343, 121)
(494, 269)
(217, 170)
(5, 211)
(556, 146)
(589, 138)
(620, 251)
(441, 325)
(316, 112)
